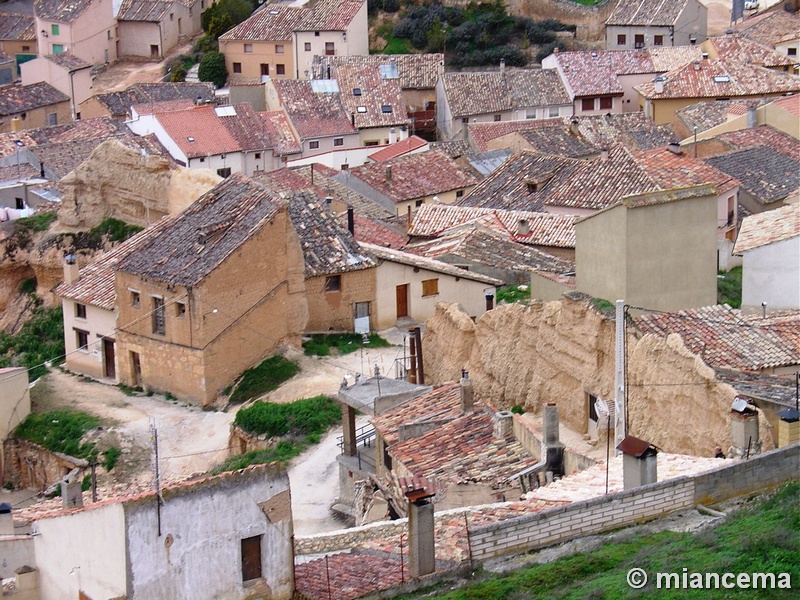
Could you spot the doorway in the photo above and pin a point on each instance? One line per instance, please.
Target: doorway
(136, 369)
(402, 301)
(109, 366)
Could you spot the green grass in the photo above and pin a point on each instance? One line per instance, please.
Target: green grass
(110, 457)
(41, 339)
(59, 431)
(761, 538)
(729, 287)
(308, 416)
(114, 229)
(40, 222)
(396, 45)
(345, 343)
(264, 378)
(283, 452)
(513, 293)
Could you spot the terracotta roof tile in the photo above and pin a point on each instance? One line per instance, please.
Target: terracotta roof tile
(279, 129)
(415, 71)
(791, 104)
(763, 135)
(442, 404)
(597, 72)
(119, 104)
(737, 47)
(710, 113)
(198, 131)
(756, 386)
(400, 148)
(670, 170)
(375, 232)
(17, 27)
(771, 28)
(380, 101)
(64, 11)
(348, 576)
(313, 114)
(768, 227)
(19, 98)
(143, 10)
(647, 12)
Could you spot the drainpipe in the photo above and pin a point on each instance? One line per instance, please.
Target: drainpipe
(72, 94)
(160, 40)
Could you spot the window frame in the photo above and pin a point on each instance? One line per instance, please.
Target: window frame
(81, 335)
(80, 311)
(248, 48)
(606, 103)
(622, 39)
(251, 571)
(237, 68)
(54, 29)
(338, 141)
(330, 49)
(159, 316)
(584, 102)
(136, 299)
(430, 287)
(333, 284)
(313, 144)
(280, 69)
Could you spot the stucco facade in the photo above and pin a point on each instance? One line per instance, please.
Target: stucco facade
(97, 359)
(76, 84)
(252, 59)
(771, 274)
(91, 35)
(661, 255)
(154, 39)
(52, 114)
(690, 27)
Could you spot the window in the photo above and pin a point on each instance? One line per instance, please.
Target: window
(430, 287)
(658, 40)
(171, 16)
(344, 167)
(606, 102)
(313, 145)
(356, 91)
(333, 283)
(638, 40)
(237, 67)
(52, 118)
(530, 113)
(80, 310)
(459, 193)
(251, 558)
(248, 48)
(108, 34)
(202, 159)
(264, 69)
(58, 48)
(202, 4)
(497, 118)
(464, 120)
(307, 46)
(278, 48)
(386, 108)
(159, 316)
(789, 51)
(552, 111)
(622, 39)
(224, 172)
(82, 339)
(135, 299)
(329, 49)
(28, 48)
(280, 69)
(587, 104)
(371, 143)
(180, 309)
(338, 141)
(419, 203)
(54, 29)
(258, 155)
(316, 33)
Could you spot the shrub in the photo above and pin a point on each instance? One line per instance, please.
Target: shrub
(729, 287)
(111, 456)
(283, 452)
(548, 49)
(59, 431)
(28, 286)
(345, 343)
(40, 222)
(114, 229)
(178, 75)
(212, 68)
(40, 340)
(517, 410)
(264, 378)
(309, 416)
(206, 43)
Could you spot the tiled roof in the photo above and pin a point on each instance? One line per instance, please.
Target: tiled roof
(439, 405)
(327, 246)
(597, 72)
(380, 101)
(720, 79)
(766, 174)
(647, 12)
(96, 283)
(464, 450)
(19, 98)
(415, 175)
(453, 148)
(274, 22)
(669, 58)
(430, 264)
(375, 232)
(763, 135)
(768, 227)
(198, 132)
(545, 229)
(737, 47)
(723, 337)
(162, 107)
(415, 71)
(791, 104)
(529, 181)
(227, 216)
(68, 61)
(474, 93)
(17, 27)
(482, 245)
(350, 575)
(63, 11)
(756, 386)
(279, 129)
(19, 172)
(710, 113)
(119, 103)
(247, 128)
(143, 10)
(554, 138)
(771, 28)
(313, 114)
(405, 146)
(331, 15)
(670, 170)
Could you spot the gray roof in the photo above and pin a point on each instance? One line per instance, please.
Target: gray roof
(119, 103)
(647, 12)
(63, 11)
(19, 98)
(143, 10)
(765, 173)
(68, 61)
(17, 27)
(205, 234)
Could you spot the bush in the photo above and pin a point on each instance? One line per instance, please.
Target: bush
(729, 287)
(548, 49)
(264, 378)
(114, 229)
(345, 343)
(283, 452)
(178, 75)
(204, 44)
(40, 340)
(28, 286)
(40, 222)
(309, 416)
(111, 456)
(212, 68)
(59, 431)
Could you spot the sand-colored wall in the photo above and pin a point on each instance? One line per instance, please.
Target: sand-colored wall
(334, 310)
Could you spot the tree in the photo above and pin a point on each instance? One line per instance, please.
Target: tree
(212, 68)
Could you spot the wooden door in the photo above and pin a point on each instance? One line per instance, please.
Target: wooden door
(402, 300)
(110, 369)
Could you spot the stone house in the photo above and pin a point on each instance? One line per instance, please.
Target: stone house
(279, 41)
(770, 245)
(86, 28)
(491, 97)
(653, 23)
(188, 320)
(148, 545)
(152, 28)
(67, 73)
(30, 106)
(18, 37)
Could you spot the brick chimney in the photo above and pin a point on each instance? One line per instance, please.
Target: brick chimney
(71, 269)
(503, 425)
(388, 175)
(467, 392)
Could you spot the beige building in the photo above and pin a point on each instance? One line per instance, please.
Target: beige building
(15, 404)
(67, 73)
(201, 303)
(18, 37)
(656, 250)
(86, 28)
(152, 29)
(32, 106)
(635, 25)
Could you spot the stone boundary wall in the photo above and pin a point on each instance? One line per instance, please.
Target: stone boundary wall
(29, 465)
(597, 515)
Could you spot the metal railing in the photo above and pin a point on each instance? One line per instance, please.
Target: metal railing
(364, 436)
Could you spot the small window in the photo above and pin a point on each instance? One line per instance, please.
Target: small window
(638, 40)
(82, 339)
(622, 39)
(159, 316)
(280, 69)
(258, 155)
(135, 299)
(386, 108)
(171, 16)
(251, 558)
(789, 51)
(202, 4)
(587, 104)
(248, 48)
(237, 67)
(180, 309)
(497, 118)
(108, 34)
(313, 145)
(361, 109)
(28, 48)
(224, 172)
(278, 48)
(333, 283)
(338, 141)
(530, 113)
(371, 143)
(430, 287)
(606, 102)
(459, 193)
(552, 112)
(316, 33)
(329, 49)
(307, 46)
(58, 48)
(80, 310)
(465, 120)
(54, 29)
(356, 91)
(52, 118)
(202, 159)
(658, 40)
(419, 203)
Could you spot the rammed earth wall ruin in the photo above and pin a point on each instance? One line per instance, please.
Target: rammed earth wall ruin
(564, 350)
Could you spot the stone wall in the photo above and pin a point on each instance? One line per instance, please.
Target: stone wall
(590, 20)
(563, 350)
(333, 311)
(28, 465)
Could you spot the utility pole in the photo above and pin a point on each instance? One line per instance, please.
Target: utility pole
(619, 376)
(157, 479)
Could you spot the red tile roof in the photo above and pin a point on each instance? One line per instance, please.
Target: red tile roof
(763, 135)
(440, 404)
(768, 228)
(279, 128)
(737, 47)
(669, 170)
(380, 100)
(373, 232)
(313, 114)
(198, 132)
(597, 72)
(348, 576)
(399, 148)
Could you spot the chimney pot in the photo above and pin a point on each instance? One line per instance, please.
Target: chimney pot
(604, 154)
(523, 227)
(675, 148)
(71, 269)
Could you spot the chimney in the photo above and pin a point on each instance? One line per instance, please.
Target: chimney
(573, 126)
(329, 203)
(388, 173)
(6, 520)
(351, 223)
(41, 170)
(199, 101)
(751, 116)
(523, 227)
(658, 82)
(503, 425)
(555, 50)
(502, 64)
(467, 392)
(421, 549)
(675, 148)
(744, 429)
(16, 124)
(639, 462)
(552, 448)
(697, 65)
(71, 494)
(71, 269)
(604, 154)
(392, 135)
